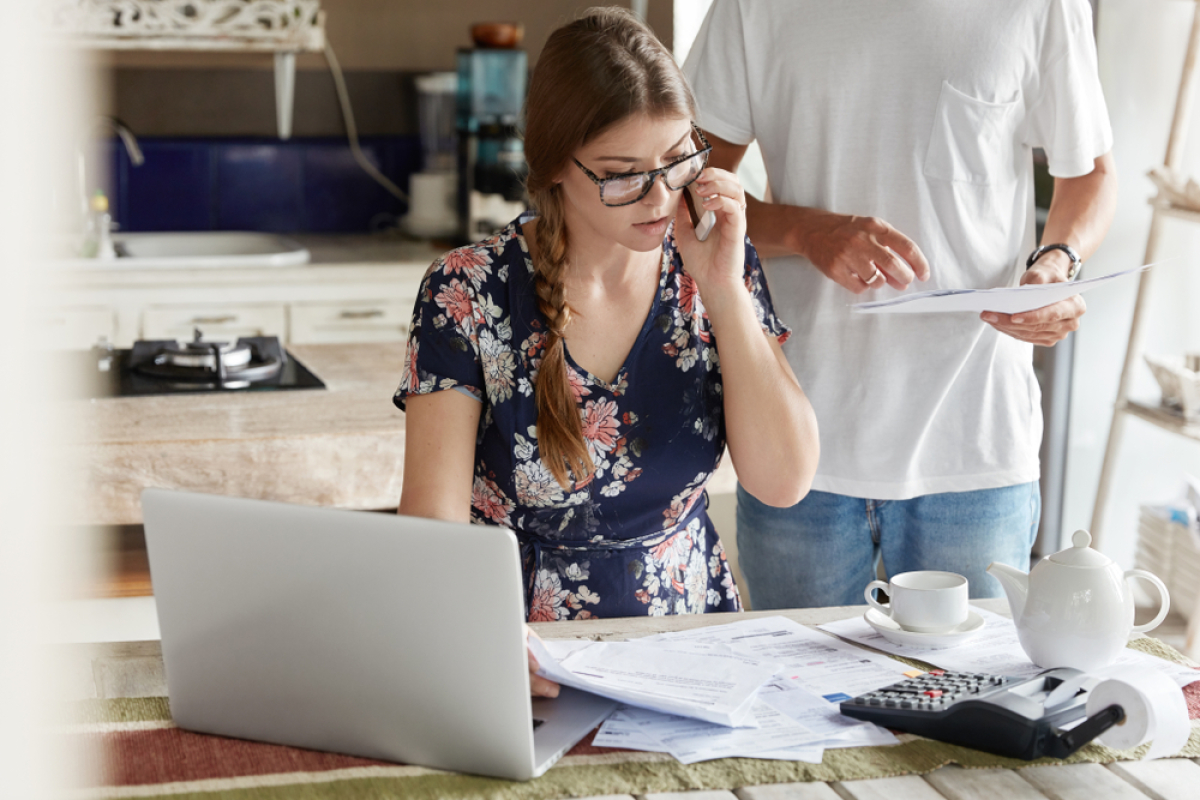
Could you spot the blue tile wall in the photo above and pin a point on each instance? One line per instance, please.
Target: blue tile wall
(259, 187)
(300, 185)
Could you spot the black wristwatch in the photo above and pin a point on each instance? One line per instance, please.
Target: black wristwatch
(1076, 261)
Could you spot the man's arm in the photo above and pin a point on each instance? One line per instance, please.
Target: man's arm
(855, 252)
(1080, 213)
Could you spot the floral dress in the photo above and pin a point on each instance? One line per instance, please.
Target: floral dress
(635, 539)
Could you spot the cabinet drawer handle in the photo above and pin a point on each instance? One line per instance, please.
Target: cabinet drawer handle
(215, 320)
(372, 313)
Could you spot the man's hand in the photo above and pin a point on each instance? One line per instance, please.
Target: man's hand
(1047, 325)
(860, 253)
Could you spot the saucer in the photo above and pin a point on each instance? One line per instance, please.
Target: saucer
(892, 631)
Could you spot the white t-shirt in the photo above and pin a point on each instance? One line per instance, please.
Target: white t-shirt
(923, 113)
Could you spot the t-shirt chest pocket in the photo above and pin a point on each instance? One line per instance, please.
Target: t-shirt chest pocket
(972, 140)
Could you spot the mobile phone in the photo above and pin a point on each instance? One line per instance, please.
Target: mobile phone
(703, 225)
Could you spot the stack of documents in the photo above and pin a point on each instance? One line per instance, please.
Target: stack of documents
(996, 651)
(760, 688)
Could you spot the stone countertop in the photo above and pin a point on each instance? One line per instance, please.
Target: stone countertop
(332, 256)
(378, 248)
(342, 446)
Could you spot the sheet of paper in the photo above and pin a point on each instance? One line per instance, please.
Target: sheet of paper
(691, 740)
(996, 649)
(790, 697)
(826, 666)
(713, 683)
(1006, 300)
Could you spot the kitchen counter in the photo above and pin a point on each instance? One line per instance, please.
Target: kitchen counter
(331, 255)
(341, 447)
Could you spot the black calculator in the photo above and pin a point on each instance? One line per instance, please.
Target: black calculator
(1021, 718)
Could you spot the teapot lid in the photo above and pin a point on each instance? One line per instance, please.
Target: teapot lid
(1080, 554)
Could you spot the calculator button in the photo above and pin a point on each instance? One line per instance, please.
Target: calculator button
(935, 693)
(875, 701)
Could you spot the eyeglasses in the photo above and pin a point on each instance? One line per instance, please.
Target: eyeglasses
(629, 187)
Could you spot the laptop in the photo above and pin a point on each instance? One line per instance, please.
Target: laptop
(375, 635)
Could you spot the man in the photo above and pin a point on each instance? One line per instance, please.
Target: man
(898, 142)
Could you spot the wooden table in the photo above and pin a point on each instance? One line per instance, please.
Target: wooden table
(134, 669)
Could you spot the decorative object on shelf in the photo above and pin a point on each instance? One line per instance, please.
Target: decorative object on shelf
(263, 25)
(497, 34)
(282, 27)
(1180, 383)
(1174, 189)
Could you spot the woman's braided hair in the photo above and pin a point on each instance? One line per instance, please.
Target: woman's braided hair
(593, 73)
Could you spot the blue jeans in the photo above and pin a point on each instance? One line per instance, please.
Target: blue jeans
(823, 550)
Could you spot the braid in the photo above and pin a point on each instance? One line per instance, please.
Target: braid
(592, 74)
(560, 432)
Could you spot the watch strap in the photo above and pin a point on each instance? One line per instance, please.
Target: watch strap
(1076, 261)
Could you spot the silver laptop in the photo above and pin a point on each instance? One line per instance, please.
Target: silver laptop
(370, 634)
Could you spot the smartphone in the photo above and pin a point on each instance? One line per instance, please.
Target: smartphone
(703, 225)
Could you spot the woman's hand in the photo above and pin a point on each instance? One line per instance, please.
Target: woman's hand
(538, 686)
(718, 262)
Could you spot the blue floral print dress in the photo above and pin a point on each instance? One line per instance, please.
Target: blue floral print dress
(635, 539)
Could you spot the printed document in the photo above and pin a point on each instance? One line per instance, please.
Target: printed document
(1006, 300)
(822, 664)
(996, 650)
(714, 684)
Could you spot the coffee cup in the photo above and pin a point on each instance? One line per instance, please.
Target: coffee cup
(926, 601)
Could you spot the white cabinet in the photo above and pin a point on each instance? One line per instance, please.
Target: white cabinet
(74, 328)
(322, 303)
(339, 322)
(215, 320)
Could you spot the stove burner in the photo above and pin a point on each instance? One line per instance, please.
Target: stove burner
(210, 364)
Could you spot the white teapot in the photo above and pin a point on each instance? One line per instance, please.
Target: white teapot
(1075, 608)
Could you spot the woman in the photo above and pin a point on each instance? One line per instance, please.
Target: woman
(562, 377)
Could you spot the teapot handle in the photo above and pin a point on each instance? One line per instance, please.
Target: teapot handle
(1163, 595)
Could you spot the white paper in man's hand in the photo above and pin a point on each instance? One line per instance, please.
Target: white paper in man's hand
(1005, 300)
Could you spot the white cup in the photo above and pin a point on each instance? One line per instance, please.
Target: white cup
(924, 601)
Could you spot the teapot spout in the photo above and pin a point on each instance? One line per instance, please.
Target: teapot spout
(1015, 583)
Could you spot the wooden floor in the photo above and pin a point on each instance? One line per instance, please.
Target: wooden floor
(121, 568)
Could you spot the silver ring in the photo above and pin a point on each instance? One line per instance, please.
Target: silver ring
(875, 277)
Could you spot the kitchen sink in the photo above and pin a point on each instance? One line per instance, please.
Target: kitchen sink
(197, 250)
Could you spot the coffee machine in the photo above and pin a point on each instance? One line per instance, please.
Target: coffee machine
(491, 154)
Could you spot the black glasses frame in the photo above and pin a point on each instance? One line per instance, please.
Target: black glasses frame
(651, 174)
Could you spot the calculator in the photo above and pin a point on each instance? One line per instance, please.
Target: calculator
(1020, 718)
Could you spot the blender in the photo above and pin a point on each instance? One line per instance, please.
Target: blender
(432, 211)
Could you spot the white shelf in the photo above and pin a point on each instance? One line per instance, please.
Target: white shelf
(1163, 418)
(262, 26)
(1178, 212)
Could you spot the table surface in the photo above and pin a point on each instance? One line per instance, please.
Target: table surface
(134, 669)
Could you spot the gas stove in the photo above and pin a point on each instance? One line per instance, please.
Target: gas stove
(158, 367)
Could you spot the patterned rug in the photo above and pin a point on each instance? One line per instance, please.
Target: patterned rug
(133, 750)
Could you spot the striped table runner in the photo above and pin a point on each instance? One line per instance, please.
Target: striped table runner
(133, 750)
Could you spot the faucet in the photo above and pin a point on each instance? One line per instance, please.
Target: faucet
(98, 223)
